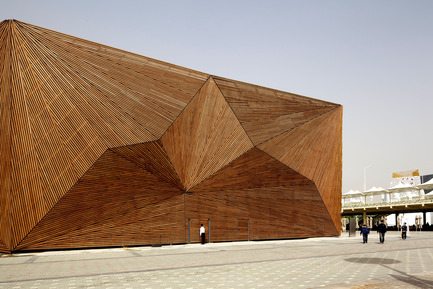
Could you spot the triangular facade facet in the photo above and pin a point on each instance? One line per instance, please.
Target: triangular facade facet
(103, 147)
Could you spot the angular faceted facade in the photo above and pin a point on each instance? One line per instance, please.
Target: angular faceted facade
(101, 147)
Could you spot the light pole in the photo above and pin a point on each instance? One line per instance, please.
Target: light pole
(365, 177)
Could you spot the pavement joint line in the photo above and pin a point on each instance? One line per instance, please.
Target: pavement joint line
(31, 259)
(395, 264)
(286, 243)
(135, 254)
(186, 267)
(165, 255)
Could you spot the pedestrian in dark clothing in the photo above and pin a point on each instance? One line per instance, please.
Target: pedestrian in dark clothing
(403, 231)
(381, 229)
(365, 231)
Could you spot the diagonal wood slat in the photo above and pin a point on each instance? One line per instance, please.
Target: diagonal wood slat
(95, 214)
(257, 187)
(57, 134)
(104, 147)
(143, 97)
(4, 248)
(315, 151)
(265, 113)
(152, 158)
(44, 161)
(205, 137)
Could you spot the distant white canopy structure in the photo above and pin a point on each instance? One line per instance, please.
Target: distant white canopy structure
(401, 188)
(406, 188)
(353, 196)
(426, 186)
(353, 192)
(376, 190)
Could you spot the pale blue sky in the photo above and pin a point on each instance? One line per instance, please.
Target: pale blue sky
(373, 57)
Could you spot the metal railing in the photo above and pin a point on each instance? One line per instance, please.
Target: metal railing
(412, 201)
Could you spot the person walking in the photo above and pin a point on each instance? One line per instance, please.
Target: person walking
(202, 234)
(381, 229)
(404, 231)
(365, 231)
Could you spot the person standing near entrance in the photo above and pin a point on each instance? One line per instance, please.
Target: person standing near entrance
(365, 231)
(403, 231)
(202, 234)
(381, 229)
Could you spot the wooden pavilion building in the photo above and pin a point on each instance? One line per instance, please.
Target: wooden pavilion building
(101, 147)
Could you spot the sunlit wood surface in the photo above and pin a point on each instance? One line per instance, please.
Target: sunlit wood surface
(102, 147)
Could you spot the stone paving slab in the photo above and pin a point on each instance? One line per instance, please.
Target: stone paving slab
(339, 262)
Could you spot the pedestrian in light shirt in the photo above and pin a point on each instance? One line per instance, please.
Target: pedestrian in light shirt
(202, 234)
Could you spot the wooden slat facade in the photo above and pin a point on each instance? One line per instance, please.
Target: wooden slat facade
(314, 150)
(5, 134)
(266, 113)
(277, 201)
(151, 157)
(3, 247)
(102, 147)
(116, 203)
(205, 137)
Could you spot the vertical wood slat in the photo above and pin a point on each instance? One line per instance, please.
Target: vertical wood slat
(5, 140)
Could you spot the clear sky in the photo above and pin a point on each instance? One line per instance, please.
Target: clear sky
(373, 57)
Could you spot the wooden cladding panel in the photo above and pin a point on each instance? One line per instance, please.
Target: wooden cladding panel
(5, 132)
(315, 151)
(27, 204)
(43, 167)
(153, 158)
(259, 188)
(154, 68)
(205, 137)
(4, 248)
(265, 113)
(273, 213)
(58, 81)
(115, 203)
(64, 101)
(153, 94)
(254, 169)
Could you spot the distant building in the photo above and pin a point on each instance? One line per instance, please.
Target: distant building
(411, 178)
(425, 179)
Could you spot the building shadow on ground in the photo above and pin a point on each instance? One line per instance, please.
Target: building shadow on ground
(401, 276)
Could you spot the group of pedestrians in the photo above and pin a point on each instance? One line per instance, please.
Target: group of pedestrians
(381, 230)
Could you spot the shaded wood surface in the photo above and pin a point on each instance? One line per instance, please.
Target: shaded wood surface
(5, 133)
(314, 150)
(265, 113)
(102, 147)
(117, 203)
(3, 248)
(279, 202)
(205, 137)
(152, 158)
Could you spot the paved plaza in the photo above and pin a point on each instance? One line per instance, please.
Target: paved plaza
(339, 262)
